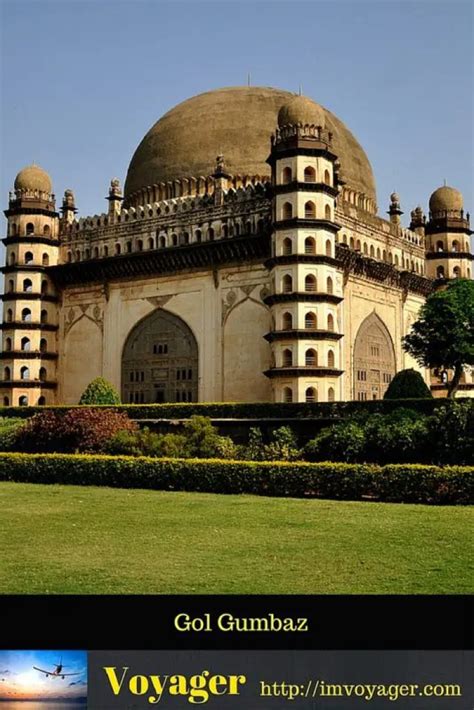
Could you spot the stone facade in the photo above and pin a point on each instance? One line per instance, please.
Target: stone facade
(279, 287)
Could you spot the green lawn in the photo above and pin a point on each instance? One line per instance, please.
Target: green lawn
(70, 539)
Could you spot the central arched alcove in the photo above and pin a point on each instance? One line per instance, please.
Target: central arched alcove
(160, 361)
(374, 359)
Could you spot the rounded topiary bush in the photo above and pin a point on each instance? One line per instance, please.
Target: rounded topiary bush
(408, 384)
(99, 391)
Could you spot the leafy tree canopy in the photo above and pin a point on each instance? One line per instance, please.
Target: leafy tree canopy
(443, 335)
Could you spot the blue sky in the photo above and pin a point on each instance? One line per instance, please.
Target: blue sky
(20, 681)
(82, 82)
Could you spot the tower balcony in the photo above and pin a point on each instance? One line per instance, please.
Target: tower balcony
(302, 371)
(302, 297)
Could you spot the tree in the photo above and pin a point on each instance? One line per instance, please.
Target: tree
(408, 384)
(99, 391)
(443, 335)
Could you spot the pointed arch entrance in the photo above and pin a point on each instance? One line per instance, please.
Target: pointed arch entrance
(160, 361)
(374, 359)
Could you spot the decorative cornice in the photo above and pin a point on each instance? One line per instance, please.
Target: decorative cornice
(296, 186)
(27, 355)
(449, 255)
(300, 259)
(31, 239)
(27, 296)
(303, 372)
(296, 222)
(29, 268)
(302, 334)
(22, 325)
(206, 255)
(29, 384)
(302, 297)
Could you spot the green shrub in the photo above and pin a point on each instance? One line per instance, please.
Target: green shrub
(202, 438)
(409, 484)
(282, 446)
(399, 437)
(451, 434)
(9, 427)
(341, 442)
(85, 430)
(408, 384)
(99, 391)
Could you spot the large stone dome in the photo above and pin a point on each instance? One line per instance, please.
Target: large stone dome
(236, 122)
(446, 199)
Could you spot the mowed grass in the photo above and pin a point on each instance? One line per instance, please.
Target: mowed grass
(71, 539)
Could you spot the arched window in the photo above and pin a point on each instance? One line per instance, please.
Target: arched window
(8, 344)
(41, 400)
(287, 358)
(45, 259)
(128, 247)
(352, 243)
(26, 315)
(287, 394)
(309, 175)
(9, 315)
(6, 401)
(384, 255)
(311, 358)
(287, 246)
(43, 375)
(140, 245)
(26, 344)
(96, 252)
(311, 395)
(440, 272)
(329, 285)
(310, 321)
(455, 246)
(331, 358)
(7, 373)
(30, 228)
(287, 211)
(327, 212)
(198, 236)
(78, 255)
(328, 247)
(210, 234)
(286, 176)
(330, 322)
(25, 373)
(310, 210)
(310, 283)
(439, 246)
(23, 401)
(327, 177)
(378, 254)
(44, 316)
(358, 245)
(12, 258)
(309, 245)
(397, 263)
(43, 345)
(27, 286)
(151, 243)
(11, 286)
(106, 250)
(287, 284)
(287, 321)
(331, 395)
(162, 242)
(69, 257)
(118, 248)
(457, 272)
(366, 251)
(44, 287)
(28, 257)
(372, 251)
(13, 230)
(225, 231)
(46, 230)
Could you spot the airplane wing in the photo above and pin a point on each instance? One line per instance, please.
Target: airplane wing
(42, 671)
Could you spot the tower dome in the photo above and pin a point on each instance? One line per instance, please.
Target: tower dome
(446, 199)
(300, 109)
(33, 178)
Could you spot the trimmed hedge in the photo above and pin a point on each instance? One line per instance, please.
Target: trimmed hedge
(253, 410)
(405, 483)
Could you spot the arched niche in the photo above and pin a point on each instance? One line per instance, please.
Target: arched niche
(374, 359)
(160, 361)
